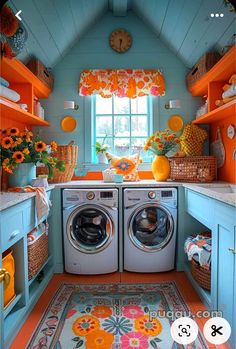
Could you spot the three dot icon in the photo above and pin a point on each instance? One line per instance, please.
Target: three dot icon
(217, 15)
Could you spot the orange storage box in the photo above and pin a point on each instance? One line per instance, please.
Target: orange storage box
(9, 290)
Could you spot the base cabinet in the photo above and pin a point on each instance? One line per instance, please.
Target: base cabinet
(221, 220)
(224, 264)
(13, 235)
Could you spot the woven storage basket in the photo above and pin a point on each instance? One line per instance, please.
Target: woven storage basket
(67, 153)
(205, 63)
(193, 169)
(201, 275)
(37, 255)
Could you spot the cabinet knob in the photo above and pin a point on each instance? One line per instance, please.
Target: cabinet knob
(5, 277)
(232, 250)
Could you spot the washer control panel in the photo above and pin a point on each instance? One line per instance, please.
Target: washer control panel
(108, 197)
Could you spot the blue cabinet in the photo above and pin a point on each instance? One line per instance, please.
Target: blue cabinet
(16, 222)
(221, 219)
(224, 263)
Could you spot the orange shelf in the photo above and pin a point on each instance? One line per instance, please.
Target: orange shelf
(16, 72)
(13, 112)
(217, 114)
(221, 71)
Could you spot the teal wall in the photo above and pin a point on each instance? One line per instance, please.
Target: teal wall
(93, 51)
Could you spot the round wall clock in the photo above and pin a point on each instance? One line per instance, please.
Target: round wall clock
(120, 40)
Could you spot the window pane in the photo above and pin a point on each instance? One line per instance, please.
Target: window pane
(139, 125)
(139, 105)
(137, 147)
(106, 141)
(103, 126)
(103, 105)
(121, 126)
(122, 146)
(121, 105)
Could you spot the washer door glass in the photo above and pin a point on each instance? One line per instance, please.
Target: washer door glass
(151, 228)
(90, 229)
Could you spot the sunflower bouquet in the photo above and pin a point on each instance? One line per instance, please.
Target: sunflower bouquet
(161, 142)
(19, 147)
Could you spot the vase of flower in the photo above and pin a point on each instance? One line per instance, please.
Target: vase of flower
(160, 168)
(160, 143)
(20, 152)
(22, 175)
(101, 148)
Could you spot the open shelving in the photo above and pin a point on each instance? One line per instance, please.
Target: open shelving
(28, 86)
(217, 114)
(211, 84)
(14, 112)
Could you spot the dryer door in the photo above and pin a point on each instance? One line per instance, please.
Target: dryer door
(151, 227)
(90, 228)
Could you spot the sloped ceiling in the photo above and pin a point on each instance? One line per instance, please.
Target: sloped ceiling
(186, 26)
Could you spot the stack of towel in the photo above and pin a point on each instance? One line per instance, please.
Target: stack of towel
(8, 93)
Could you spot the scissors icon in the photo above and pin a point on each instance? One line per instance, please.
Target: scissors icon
(216, 330)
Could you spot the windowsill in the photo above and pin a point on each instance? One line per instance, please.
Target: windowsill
(94, 167)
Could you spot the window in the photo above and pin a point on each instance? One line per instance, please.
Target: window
(126, 122)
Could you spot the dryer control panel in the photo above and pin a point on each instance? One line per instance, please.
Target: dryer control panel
(164, 196)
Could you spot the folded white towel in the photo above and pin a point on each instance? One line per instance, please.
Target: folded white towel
(230, 92)
(4, 82)
(9, 94)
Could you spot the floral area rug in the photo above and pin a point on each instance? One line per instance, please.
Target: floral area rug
(111, 317)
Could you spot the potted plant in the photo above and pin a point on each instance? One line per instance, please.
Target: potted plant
(160, 143)
(101, 149)
(21, 151)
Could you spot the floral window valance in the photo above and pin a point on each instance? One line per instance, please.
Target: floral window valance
(129, 83)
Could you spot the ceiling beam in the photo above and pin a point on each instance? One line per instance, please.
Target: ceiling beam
(119, 7)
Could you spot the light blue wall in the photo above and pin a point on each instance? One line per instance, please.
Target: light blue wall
(93, 51)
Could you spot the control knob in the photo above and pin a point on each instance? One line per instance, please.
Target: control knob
(90, 195)
(152, 195)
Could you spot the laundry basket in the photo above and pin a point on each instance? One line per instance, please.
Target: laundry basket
(68, 154)
(37, 241)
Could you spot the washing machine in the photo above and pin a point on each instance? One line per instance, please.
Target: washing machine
(150, 225)
(90, 230)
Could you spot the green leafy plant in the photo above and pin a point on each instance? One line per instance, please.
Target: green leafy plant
(101, 147)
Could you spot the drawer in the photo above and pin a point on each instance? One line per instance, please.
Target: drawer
(199, 206)
(12, 226)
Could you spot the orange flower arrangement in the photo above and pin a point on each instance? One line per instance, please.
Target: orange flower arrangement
(17, 147)
(161, 142)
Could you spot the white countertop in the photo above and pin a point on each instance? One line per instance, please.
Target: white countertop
(100, 183)
(213, 190)
(8, 199)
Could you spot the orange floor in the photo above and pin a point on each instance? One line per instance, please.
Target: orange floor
(188, 293)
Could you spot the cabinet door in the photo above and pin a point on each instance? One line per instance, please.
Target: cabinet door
(1, 310)
(224, 269)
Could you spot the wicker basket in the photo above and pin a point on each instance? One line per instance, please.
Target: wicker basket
(37, 255)
(193, 169)
(205, 63)
(67, 153)
(201, 274)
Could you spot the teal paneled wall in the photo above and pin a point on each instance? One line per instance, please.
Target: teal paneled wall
(93, 51)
